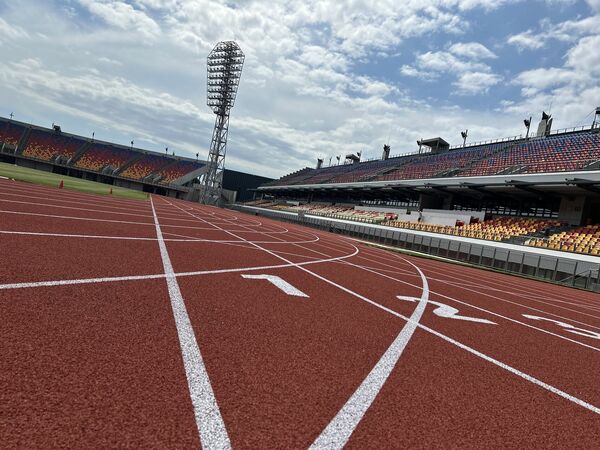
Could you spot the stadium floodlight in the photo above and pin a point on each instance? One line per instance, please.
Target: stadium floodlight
(464, 135)
(596, 114)
(223, 73)
(11, 115)
(527, 123)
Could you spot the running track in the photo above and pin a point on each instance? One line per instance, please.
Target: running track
(155, 325)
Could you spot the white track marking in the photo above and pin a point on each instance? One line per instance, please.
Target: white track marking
(471, 350)
(279, 283)
(337, 433)
(478, 308)
(567, 327)
(89, 219)
(545, 287)
(213, 434)
(508, 368)
(87, 236)
(481, 293)
(446, 311)
(65, 195)
(50, 283)
(341, 427)
(45, 205)
(70, 202)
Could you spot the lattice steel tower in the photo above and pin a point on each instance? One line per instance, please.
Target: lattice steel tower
(224, 69)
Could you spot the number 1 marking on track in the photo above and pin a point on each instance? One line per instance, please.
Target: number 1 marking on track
(446, 311)
(279, 282)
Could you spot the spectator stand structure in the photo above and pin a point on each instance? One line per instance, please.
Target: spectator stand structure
(59, 152)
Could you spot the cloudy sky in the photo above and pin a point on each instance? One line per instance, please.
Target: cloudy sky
(322, 77)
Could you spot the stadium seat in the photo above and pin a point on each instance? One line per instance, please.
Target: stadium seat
(150, 163)
(99, 156)
(45, 145)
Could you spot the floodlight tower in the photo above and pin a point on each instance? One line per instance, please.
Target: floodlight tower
(224, 69)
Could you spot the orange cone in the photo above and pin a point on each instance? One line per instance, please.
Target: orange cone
(61, 184)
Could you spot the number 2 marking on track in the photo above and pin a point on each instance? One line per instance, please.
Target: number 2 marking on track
(448, 312)
(567, 327)
(279, 282)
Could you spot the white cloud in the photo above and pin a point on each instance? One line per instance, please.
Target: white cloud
(11, 31)
(124, 16)
(311, 85)
(462, 60)
(594, 4)
(567, 31)
(472, 50)
(472, 83)
(527, 40)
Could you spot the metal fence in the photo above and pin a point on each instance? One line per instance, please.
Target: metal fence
(565, 270)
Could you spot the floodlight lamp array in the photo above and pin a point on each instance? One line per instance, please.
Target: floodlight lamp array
(224, 69)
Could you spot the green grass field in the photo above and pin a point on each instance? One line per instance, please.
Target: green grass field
(70, 183)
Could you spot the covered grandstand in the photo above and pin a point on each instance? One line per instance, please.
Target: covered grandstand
(55, 151)
(540, 193)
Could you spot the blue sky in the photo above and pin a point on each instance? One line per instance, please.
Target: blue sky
(322, 78)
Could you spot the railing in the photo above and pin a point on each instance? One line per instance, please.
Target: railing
(564, 270)
(489, 141)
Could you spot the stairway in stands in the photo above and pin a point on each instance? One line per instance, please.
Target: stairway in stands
(79, 153)
(129, 163)
(23, 141)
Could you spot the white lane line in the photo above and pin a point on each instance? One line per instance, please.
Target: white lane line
(50, 283)
(279, 283)
(476, 307)
(45, 205)
(213, 434)
(88, 202)
(510, 369)
(89, 219)
(339, 430)
(87, 236)
(462, 346)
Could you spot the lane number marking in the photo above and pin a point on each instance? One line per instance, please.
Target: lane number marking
(447, 312)
(567, 327)
(278, 282)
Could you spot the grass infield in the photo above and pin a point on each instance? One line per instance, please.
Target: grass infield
(73, 184)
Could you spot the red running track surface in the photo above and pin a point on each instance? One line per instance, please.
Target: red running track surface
(143, 324)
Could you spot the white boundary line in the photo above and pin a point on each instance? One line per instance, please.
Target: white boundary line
(211, 427)
(471, 350)
(341, 427)
(337, 433)
(51, 283)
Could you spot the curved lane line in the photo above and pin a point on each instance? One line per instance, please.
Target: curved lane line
(339, 430)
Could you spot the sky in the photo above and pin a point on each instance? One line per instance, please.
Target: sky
(321, 78)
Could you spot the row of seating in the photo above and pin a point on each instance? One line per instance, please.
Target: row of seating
(556, 153)
(45, 146)
(579, 240)
(145, 166)
(176, 171)
(99, 156)
(48, 145)
(427, 166)
(10, 133)
(585, 240)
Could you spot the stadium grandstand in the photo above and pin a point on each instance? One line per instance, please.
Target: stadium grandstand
(53, 150)
(540, 191)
